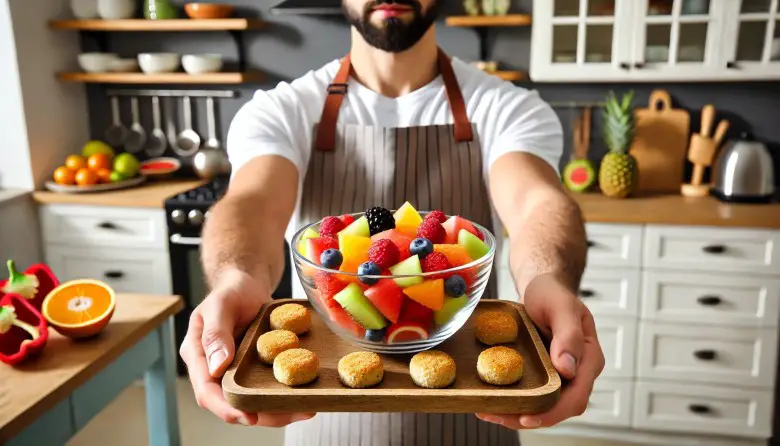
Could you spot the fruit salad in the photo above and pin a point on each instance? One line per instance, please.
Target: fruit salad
(392, 277)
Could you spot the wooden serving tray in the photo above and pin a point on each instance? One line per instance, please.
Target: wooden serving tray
(249, 384)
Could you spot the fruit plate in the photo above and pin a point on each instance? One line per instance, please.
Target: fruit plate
(250, 385)
(68, 189)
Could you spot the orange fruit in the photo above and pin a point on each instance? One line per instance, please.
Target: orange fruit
(64, 175)
(86, 177)
(79, 308)
(75, 162)
(104, 174)
(99, 161)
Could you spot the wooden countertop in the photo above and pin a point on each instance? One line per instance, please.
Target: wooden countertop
(29, 390)
(151, 194)
(677, 210)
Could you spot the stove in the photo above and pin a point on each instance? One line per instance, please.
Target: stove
(186, 213)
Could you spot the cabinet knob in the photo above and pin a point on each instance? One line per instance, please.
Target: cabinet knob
(625, 66)
(114, 274)
(705, 355)
(178, 216)
(639, 65)
(591, 243)
(700, 408)
(587, 293)
(106, 225)
(714, 249)
(709, 300)
(731, 65)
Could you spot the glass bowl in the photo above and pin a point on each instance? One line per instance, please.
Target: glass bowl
(478, 271)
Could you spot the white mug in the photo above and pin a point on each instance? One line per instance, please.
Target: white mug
(116, 9)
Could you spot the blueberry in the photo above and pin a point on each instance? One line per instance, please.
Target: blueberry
(421, 247)
(455, 286)
(369, 269)
(331, 258)
(375, 335)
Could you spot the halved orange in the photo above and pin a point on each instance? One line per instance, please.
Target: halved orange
(79, 308)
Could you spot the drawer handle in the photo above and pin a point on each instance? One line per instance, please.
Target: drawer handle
(709, 300)
(590, 243)
(107, 225)
(705, 355)
(114, 274)
(699, 408)
(587, 293)
(714, 249)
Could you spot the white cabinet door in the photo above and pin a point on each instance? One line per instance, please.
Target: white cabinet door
(125, 270)
(611, 291)
(752, 50)
(609, 404)
(583, 40)
(677, 40)
(614, 244)
(617, 336)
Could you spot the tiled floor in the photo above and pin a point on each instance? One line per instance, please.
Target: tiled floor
(124, 423)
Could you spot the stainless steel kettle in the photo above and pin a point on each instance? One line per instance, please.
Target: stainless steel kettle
(743, 172)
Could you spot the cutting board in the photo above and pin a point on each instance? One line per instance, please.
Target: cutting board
(660, 143)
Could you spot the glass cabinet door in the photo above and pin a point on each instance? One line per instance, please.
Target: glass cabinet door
(676, 37)
(757, 32)
(582, 35)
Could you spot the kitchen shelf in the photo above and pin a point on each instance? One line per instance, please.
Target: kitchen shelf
(512, 76)
(159, 25)
(488, 20)
(163, 78)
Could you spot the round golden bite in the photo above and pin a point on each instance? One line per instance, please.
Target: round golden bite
(432, 369)
(361, 369)
(296, 367)
(495, 327)
(500, 366)
(293, 317)
(271, 343)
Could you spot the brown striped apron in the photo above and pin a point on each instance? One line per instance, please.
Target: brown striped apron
(353, 168)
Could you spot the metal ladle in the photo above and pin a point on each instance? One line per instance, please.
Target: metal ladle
(188, 140)
(116, 133)
(136, 138)
(157, 142)
(211, 161)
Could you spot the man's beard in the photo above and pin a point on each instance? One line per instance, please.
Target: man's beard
(396, 35)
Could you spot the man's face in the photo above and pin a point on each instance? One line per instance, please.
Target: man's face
(391, 25)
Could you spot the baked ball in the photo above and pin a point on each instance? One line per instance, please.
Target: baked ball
(293, 317)
(432, 369)
(500, 365)
(361, 369)
(296, 366)
(273, 342)
(495, 327)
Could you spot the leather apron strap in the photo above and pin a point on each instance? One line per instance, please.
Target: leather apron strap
(326, 130)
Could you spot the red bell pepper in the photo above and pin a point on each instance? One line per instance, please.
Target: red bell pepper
(33, 284)
(23, 331)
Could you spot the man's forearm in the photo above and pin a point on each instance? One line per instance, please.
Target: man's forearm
(549, 239)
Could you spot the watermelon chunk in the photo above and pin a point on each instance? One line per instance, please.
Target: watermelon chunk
(387, 298)
(316, 246)
(453, 227)
(412, 311)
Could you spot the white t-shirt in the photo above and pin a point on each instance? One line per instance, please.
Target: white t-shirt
(281, 121)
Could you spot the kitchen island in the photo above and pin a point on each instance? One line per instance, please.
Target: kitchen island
(50, 398)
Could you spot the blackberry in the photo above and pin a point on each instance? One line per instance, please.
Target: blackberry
(379, 220)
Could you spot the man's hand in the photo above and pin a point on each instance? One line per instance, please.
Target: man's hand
(209, 347)
(574, 350)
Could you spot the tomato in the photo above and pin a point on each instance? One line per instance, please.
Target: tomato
(64, 175)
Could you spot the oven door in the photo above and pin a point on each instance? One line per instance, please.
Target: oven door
(189, 281)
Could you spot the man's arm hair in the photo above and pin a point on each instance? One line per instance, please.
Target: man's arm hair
(245, 230)
(545, 225)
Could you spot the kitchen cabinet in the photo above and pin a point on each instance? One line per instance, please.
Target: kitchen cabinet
(687, 318)
(655, 40)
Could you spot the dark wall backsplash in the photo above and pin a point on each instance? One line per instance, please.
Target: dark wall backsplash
(293, 45)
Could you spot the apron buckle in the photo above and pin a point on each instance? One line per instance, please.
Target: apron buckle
(337, 88)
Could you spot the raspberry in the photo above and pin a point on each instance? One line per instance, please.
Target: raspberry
(433, 231)
(384, 253)
(435, 261)
(347, 219)
(331, 226)
(328, 286)
(437, 216)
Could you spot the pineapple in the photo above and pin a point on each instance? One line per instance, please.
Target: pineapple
(618, 172)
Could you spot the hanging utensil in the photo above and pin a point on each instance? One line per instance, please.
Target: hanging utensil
(136, 138)
(211, 160)
(170, 125)
(188, 140)
(157, 141)
(116, 133)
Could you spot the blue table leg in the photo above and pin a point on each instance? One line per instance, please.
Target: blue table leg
(162, 413)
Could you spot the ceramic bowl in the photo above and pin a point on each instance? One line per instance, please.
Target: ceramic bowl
(152, 63)
(201, 63)
(97, 62)
(116, 9)
(476, 274)
(123, 65)
(208, 10)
